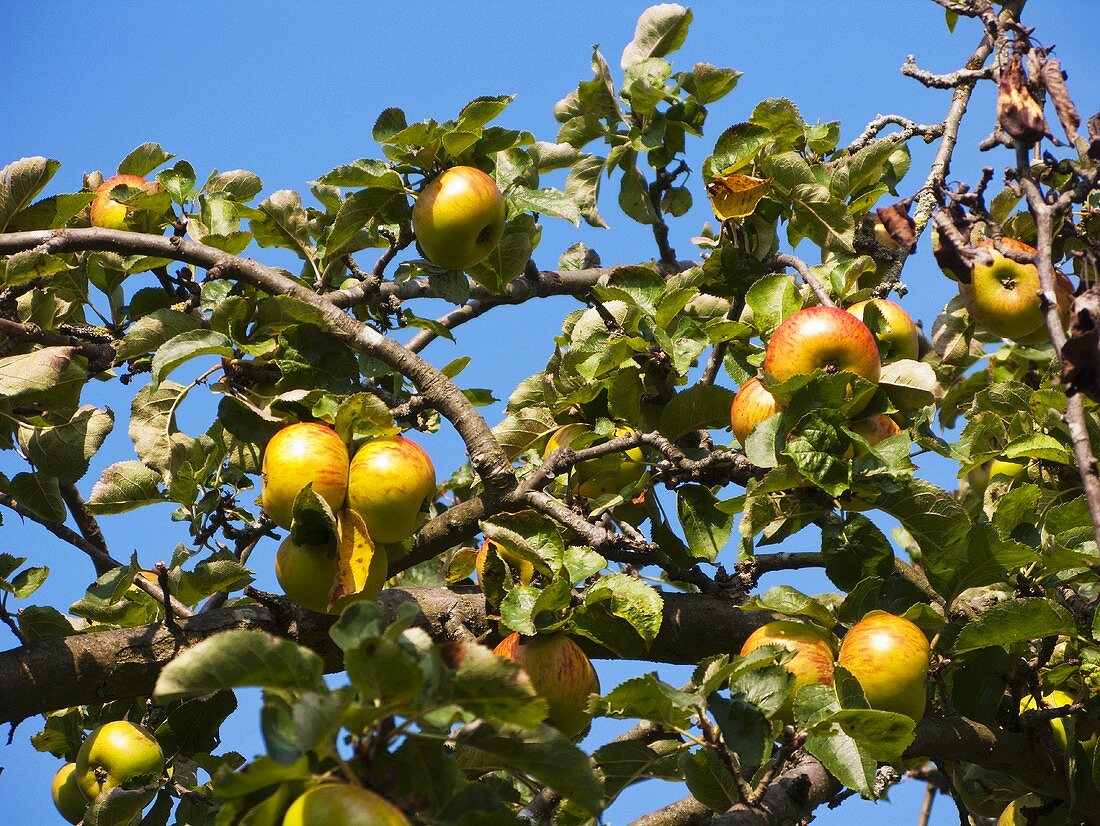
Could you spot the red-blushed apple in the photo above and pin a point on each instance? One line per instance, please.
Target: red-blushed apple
(889, 655)
(520, 567)
(876, 428)
(813, 653)
(822, 337)
(117, 753)
(752, 405)
(560, 672)
(296, 456)
(1003, 296)
(459, 217)
(900, 339)
(67, 795)
(342, 804)
(111, 214)
(605, 474)
(388, 482)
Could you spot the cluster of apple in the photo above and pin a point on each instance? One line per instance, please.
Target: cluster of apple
(385, 484)
(888, 654)
(119, 753)
(831, 339)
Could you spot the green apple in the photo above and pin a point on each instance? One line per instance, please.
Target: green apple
(752, 405)
(298, 455)
(115, 754)
(560, 672)
(889, 655)
(111, 214)
(603, 475)
(822, 337)
(341, 804)
(1004, 467)
(1085, 734)
(1003, 296)
(813, 653)
(1013, 815)
(520, 567)
(307, 573)
(876, 428)
(459, 217)
(67, 794)
(900, 339)
(388, 482)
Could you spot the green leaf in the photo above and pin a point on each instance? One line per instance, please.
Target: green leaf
(883, 735)
(582, 185)
(783, 120)
(390, 122)
(235, 185)
(33, 372)
(706, 527)
(481, 110)
(492, 688)
(31, 265)
(854, 550)
(909, 383)
(817, 445)
(383, 671)
(937, 522)
(1038, 446)
(149, 332)
(783, 599)
(123, 487)
(193, 725)
(1015, 620)
(625, 762)
(362, 207)
(630, 599)
(27, 581)
(450, 285)
(842, 756)
(20, 182)
(649, 698)
(700, 407)
(364, 415)
(661, 30)
(736, 149)
(187, 346)
(64, 450)
(40, 495)
(546, 201)
(233, 659)
(143, 160)
(179, 181)
(634, 196)
(507, 260)
(284, 224)
(707, 83)
(772, 299)
(708, 779)
(821, 218)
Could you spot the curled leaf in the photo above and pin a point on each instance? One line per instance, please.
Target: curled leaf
(899, 224)
(736, 196)
(1018, 113)
(362, 565)
(1054, 79)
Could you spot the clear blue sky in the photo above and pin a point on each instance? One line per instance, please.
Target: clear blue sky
(290, 90)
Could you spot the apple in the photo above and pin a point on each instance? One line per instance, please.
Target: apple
(519, 566)
(813, 653)
(1085, 734)
(388, 482)
(1004, 467)
(752, 405)
(67, 795)
(603, 475)
(307, 574)
(889, 655)
(560, 672)
(341, 804)
(459, 217)
(1013, 815)
(1003, 296)
(111, 214)
(115, 754)
(900, 339)
(983, 791)
(296, 456)
(883, 236)
(822, 337)
(876, 428)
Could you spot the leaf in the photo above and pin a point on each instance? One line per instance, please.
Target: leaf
(783, 599)
(362, 566)
(909, 383)
(1038, 446)
(64, 450)
(40, 495)
(235, 185)
(493, 688)
(582, 184)
(20, 182)
(546, 201)
(736, 196)
(841, 755)
(661, 30)
(284, 224)
(364, 415)
(123, 487)
(700, 407)
(707, 83)
(362, 207)
(481, 110)
(233, 659)
(634, 197)
(33, 372)
(507, 260)
(630, 599)
(708, 779)
(186, 346)
(821, 218)
(649, 698)
(31, 265)
(1015, 620)
(736, 149)
(143, 160)
(883, 735)
(149, 332)
(706, 527)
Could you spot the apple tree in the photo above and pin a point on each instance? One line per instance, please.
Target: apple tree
(609, 513)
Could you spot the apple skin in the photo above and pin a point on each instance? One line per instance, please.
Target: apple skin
(900, 340)
(889, 655)
(520, 567)
(560, 672)
(876, 428)
(307, 574)
(67, 795)
(111, 214)
(813, 655)
(604, 475)
(1013, 816)
(822, 337)
(1055, 699)
(459, 217)
(341, 804)
(388, 481)
(1004, 467)
(297, 455)
(115, 753)
(1003, 296)
(752, 405)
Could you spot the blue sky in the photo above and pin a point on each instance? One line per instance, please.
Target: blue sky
(290, 90)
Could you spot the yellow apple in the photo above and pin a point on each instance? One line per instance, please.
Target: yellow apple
(459, 217)
(117, 753)
(388, 483)
(67, 794)
(889, 655)
(111, 214)
(752, 405)
(298, 455)
(900, 339)
(341, 804)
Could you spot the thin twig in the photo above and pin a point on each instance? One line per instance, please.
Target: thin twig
(803, 269)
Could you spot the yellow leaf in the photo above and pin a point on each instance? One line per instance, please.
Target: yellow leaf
(361, 566)
(736, 196)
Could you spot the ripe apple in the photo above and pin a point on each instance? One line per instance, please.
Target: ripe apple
(603, 475)
(341, 804)
(1003, 296)
(813, 653)
(560, 672)
(111, 214)
(388, 481)
(876, 428)
(520, 567)
(900, 338)
(752, 405)
(459, 217)
(889, 655)
(117, 753)
(822, 337)
(67, 795)
(297, 455)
